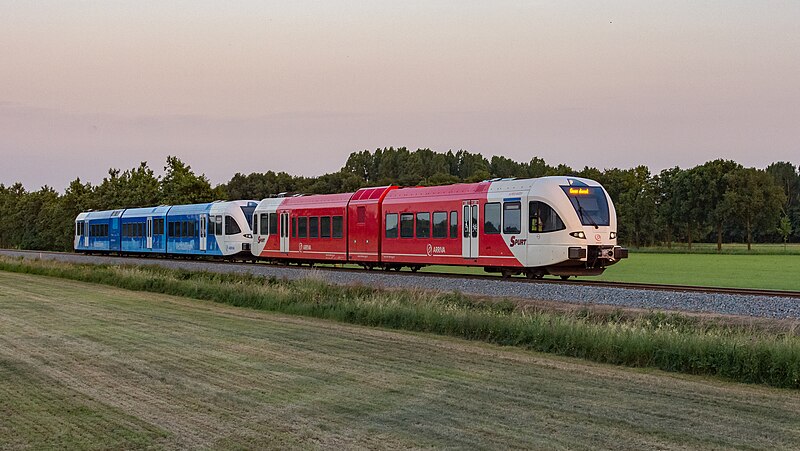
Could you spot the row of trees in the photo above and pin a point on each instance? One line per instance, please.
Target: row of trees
(718, 201)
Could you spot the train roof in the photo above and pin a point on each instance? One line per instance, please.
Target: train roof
(461, 190)
(104, 214)
(161, 210)
(317, 199)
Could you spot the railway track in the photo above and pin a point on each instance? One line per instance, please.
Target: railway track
(487, 277)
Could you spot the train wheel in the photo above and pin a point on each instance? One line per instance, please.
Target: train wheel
(564, 277)
(415, 268)
(506, 274)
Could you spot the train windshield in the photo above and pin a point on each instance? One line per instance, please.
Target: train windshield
(590, 203)
(248, 213)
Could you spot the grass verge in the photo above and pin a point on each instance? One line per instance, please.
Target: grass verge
(671, 342)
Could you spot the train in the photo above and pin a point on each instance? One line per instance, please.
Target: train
(558, 225)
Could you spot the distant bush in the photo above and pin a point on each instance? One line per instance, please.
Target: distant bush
(668, 341)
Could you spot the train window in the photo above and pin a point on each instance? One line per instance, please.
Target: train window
(406, 225)
(337, 223)
(423, 225)
(294, 227)
(543, 218)
(262, 225)
(254, 222)
(313, 227)
(159, 225)
(218, 222)
(231, 226)
(361, 215)
(512, 217)
(466, 221)
(302, 227)
(453, 224)
(391, 225)
(440, 224)
(273, 223)
(491, 218)
(105, 229)
(171, 229)
(325, 227)
(192, 226)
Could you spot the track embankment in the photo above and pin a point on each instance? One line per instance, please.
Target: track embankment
(756, 303)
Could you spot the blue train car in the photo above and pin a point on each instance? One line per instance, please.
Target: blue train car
(220, 229)
(144, 230)
(98, 231)
(217, 229)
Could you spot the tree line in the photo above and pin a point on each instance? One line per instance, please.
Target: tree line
(719, 201)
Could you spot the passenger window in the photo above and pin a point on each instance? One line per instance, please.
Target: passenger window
(231, 227)
(191, 229)
(440, 224)
(273, 223)
(302, 227)
(512, 217)
(423, 225)
(313, 227)
(338, 228)
(406, 225)
(218, 221)
(325, 227)
(543, 218)
(491, 218)
(453, 224)
(391, 225)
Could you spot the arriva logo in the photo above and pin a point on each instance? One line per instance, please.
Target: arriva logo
(517, 242)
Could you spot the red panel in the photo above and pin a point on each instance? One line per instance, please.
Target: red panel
(364, 238)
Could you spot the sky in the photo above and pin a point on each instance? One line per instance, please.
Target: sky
(251, 86)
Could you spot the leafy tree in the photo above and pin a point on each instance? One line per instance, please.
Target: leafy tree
(713, 177)
(785, 229)
(180, 185)
(754, 199)
(668, 202)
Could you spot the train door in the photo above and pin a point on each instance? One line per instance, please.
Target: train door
(150, 233)
(203, 234)
(113, 235)
(469, 234)
(86, 233)
(284, 234)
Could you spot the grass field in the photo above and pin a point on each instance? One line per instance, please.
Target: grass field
(89, 366)
(776, 272)
(767, 271)
(727, 248)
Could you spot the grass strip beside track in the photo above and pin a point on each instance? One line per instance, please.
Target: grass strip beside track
(670, 342)
(87, 366)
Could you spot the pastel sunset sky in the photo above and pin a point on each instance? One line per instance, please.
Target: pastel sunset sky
(296, 86)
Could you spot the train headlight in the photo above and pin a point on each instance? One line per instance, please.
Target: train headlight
(613, 235)
(248, 235)
(580, 235)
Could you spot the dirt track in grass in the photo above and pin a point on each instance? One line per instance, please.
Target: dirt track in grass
(90, 366)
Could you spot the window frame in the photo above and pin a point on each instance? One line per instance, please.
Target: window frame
(486, 217)
(340, 220)
(445, 225)
(325, 227)
(386, 228)
(518, 204)
(405, 217)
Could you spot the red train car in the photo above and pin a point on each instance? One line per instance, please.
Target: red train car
(562, 226)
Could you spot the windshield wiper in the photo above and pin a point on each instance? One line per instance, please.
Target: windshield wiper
(581, 211)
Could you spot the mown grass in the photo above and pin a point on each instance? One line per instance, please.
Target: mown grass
(771, 272)
(727, 249)
(670, 342)
(167, 372)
